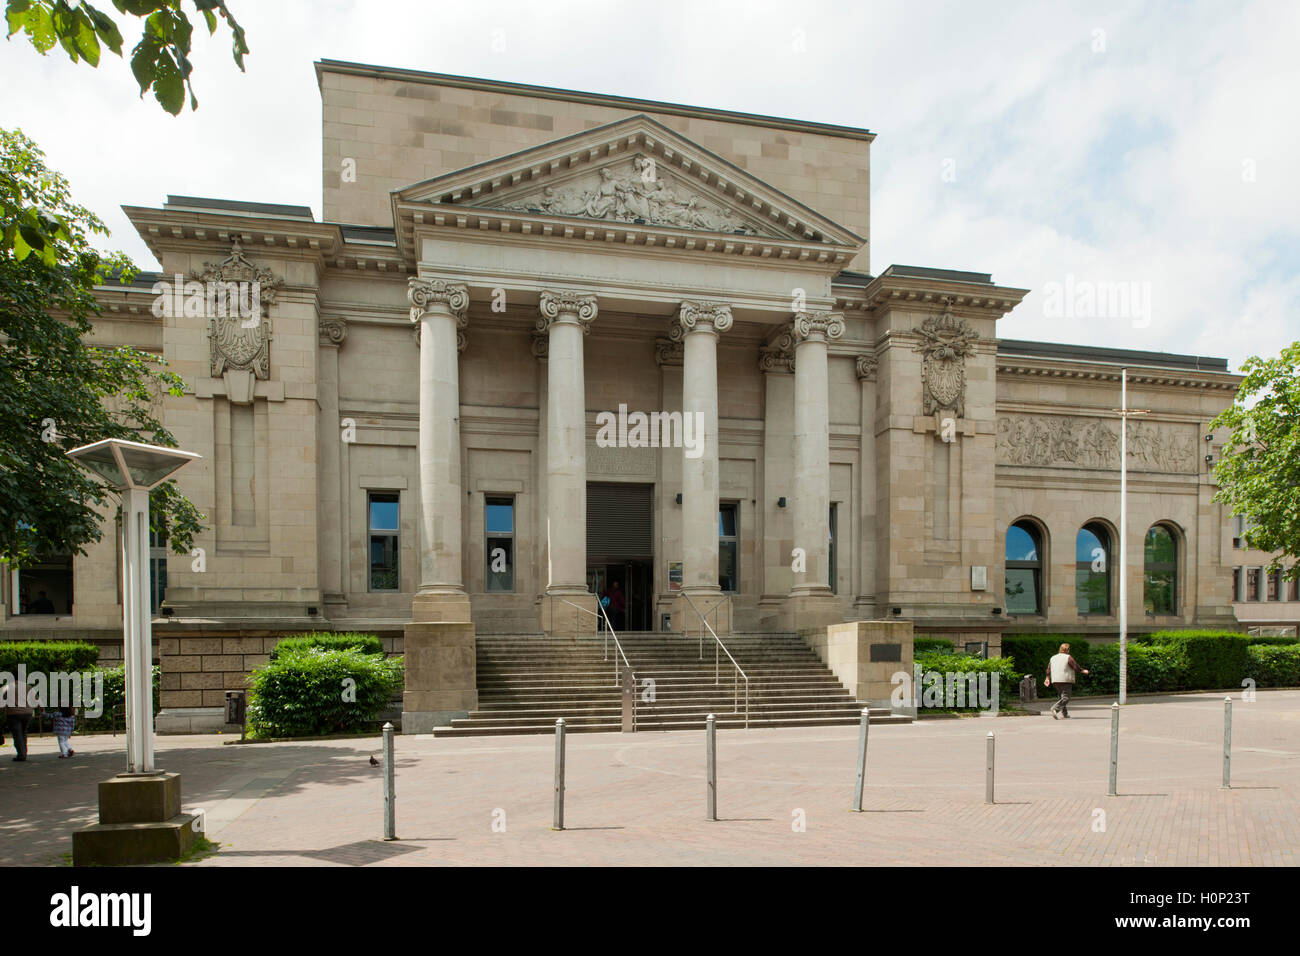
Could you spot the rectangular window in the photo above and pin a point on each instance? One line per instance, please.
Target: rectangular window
(1275, 586)
(729, 546)
(157, 570)
(1238, 531)
(1295, 590)
(1252, 584)
(499, 529)
(833, 563)
(1239, 584)
(384, 522)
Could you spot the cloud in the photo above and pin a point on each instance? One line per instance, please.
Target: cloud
(1108, 142)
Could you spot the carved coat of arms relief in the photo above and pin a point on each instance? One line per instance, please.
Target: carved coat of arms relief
(946, 343)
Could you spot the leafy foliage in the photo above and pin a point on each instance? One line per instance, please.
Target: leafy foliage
(161, 60)
(326, 640)
(57, 391)
(945, 662)
(931, 645)
(1273, 666)
(1211, 659)
(115, 699)
(1259, 469)
(1151, 668)
(48, 657)
(302, 693)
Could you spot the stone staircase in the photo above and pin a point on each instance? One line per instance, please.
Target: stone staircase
(526, 681)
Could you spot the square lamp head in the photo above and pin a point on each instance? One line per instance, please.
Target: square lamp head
(131, 465)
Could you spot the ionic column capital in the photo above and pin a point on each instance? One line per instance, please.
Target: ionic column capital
(816, 327)
(566, 306)
(433, 295)
(701, 317)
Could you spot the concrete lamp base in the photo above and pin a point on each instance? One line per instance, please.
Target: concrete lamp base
(140, 821)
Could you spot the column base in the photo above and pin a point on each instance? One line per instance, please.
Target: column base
(559, 619)
(712, 604)
(811, 609)
(140, 821)
(435, 607)
(441, 674)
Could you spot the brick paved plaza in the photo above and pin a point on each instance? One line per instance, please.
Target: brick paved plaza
(640, 799)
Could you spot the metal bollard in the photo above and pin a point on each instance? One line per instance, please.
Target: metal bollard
(1114, 749)
(559, 775)
(711, 761)
(390, 791)
(988, 770)
(862, 760)
(1227, 743)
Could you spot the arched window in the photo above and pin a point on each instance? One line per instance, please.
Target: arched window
(1160, 578)
(1092, 569)
(1024, 569)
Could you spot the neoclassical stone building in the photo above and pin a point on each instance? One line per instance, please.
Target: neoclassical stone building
(413, 435)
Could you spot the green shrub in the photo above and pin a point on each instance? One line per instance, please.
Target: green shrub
(1031, 653)
(1283, 641)
(942, 662)
(1213, 659)
(324, 640)
(931, 645)
(48, 657)
(1273, 666)
(114, 697)
(309, 692)
(1151, 668)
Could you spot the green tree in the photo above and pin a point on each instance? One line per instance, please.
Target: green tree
(58, 391)
(160, 60)
(1259, 470)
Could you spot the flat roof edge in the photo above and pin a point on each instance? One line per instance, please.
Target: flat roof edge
(581, 96)
(1112, 356)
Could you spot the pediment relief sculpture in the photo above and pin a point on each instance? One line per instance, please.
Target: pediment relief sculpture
(635, 191)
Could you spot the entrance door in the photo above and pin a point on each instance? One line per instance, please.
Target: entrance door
(620, 551)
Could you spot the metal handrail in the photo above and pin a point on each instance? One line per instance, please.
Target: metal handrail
(609, 631)
(740, 673)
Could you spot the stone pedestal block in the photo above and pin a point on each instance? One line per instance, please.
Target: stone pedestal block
(439, 608)
(441, 682)
(865, 656)
(561, 619)
(811, 610)
(140, 821)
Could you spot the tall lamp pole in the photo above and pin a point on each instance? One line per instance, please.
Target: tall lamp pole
(1124, 413)
(132, 469)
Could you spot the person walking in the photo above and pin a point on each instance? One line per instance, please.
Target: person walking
(64, 724)
(1061, 671)
(18, 717)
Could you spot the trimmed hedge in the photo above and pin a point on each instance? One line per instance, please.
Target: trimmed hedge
(1282, 641)
(931, 645)
(307, 692)
(325, 640)
(1213, 659)
(1273, 666)
(1151, 668)
(48, 657)
(945, 663)
(1031, 653)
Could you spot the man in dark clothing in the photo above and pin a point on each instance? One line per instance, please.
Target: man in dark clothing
(42, 605)
(18, 717)
(617, 604)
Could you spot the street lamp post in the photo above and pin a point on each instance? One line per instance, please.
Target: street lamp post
(1124, 413)
(132, 469)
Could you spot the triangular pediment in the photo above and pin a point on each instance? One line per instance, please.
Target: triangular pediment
(635, 174)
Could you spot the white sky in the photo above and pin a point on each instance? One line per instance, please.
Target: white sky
(1007, 141)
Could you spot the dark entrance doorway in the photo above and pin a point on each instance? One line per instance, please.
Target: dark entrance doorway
(620, 551)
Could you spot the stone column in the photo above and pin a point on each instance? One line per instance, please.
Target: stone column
(865, 602)
(333, 333)
(698, 325)
(439, 644)
(566, 317)
(440, 310)
(812, 603)
(776, 362)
